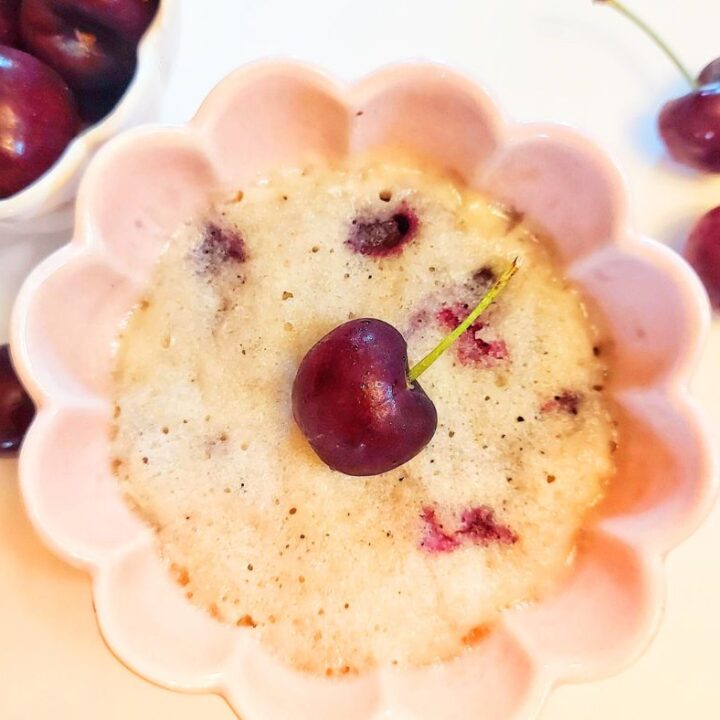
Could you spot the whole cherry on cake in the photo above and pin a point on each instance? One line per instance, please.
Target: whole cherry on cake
(688, 125)
(359, 404)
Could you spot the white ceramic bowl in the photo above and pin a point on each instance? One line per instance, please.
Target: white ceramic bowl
(46, 206)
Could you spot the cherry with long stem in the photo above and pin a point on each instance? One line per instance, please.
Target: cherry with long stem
(688, 125)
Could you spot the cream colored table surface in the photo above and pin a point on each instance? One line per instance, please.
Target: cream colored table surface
(561, 60)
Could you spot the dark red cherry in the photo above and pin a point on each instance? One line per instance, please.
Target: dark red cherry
(710, 73)
(690, 128)
(37, 119)
(352, 400)
(16, 407)
(10, 22)
(689, 125)
(359, 404)
(702, 251)
(91, 43)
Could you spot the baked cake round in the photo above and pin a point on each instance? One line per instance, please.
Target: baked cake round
(338, 574)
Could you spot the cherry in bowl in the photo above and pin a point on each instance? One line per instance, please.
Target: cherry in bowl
(38, 119)
(92, 44)
(702, 251)
(10, 22)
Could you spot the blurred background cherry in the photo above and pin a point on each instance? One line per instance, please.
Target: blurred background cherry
(702, 251)
(689, 125)
(16, 407)
(690, 128)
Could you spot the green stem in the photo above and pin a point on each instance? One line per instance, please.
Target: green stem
(488, 298)
(617, 5)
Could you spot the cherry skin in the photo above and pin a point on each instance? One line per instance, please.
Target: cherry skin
(37, 119)
(10, 22)
(710, 73)
(690, 128)
(16, 407)
(352, 401)
(91, 43)
(702, 251)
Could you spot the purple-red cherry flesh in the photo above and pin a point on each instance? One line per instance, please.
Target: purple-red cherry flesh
(359, 404)
(10, 22)
(16, 407)
(689, 125)
(37, 119)
(353, 403)
(702, 251)
(91, 43)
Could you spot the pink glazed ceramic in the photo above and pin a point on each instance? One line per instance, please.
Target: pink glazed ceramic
(143, 184)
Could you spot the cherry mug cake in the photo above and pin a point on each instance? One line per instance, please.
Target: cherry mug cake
(337, 570)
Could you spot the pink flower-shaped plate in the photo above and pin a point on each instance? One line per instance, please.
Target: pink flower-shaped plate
(145, 183)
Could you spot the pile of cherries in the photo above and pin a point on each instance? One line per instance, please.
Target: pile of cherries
(690, 128)
(64, 64)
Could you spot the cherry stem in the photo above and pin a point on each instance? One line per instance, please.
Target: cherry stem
(487, 300)
(617, 5)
